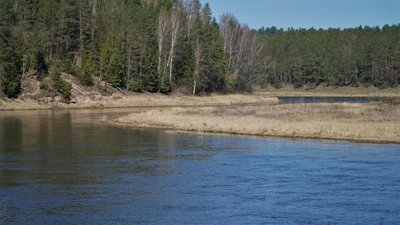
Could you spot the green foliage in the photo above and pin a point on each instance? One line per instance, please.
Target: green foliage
(150, 80)
(119, 42)
(10, 60)
(354, 56)
(41, 65)
(90, 65)
(136, 86)
(185, 65)
(214, 62)
(10, 73)
(165, 88)
(64, 65)
(44, 85)
(113, 61)
(85, 76)
(230, 83)
(62, 86)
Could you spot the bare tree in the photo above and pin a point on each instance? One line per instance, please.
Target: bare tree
(197, 67)
(229, 31)
(175, 30)
(255, 47)
(242, 44)
(16, 6)
(162, 27)
(248, 49)
(192, 9)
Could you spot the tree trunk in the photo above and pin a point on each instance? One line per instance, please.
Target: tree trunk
(16, 6)
(197, 67)
(79, 63)
(128, 72)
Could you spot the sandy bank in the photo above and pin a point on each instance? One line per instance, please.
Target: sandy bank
(377, 123)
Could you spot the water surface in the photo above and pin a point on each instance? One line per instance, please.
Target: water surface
(322, 99)
(64, 168)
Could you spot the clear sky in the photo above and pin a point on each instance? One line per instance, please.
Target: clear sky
(309, 13)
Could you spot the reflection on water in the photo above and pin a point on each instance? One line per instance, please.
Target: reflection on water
(63, 167)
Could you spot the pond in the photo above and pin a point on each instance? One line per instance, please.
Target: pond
(62, 167)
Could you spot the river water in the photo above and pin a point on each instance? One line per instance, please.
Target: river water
(324, 99)
(64, 168)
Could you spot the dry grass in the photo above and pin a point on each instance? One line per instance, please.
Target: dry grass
(136, 100)
(357, 122)
(331, 91)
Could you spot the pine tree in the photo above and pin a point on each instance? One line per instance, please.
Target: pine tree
(10, 63)
(151, 82)
(112, 61)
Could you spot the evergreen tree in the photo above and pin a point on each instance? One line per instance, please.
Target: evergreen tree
(10, 63)
(112, 61)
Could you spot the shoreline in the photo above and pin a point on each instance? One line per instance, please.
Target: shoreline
(132, 100)
(141, 101)
(220, 133)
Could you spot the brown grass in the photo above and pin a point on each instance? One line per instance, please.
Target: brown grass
(136, 100)
(356, 122)
(331, 91)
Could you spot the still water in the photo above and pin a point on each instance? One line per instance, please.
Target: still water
(323, 99)
(64, 168)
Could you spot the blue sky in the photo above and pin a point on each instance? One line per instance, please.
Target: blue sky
(309, 13)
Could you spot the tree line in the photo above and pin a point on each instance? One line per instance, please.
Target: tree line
(161, 45)
(340, 57)
(138, 45)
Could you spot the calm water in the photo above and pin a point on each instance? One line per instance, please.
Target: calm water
(319, 99)
(63, 168)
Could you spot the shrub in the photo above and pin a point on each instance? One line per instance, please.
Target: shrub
(62, 86)
(44, 85)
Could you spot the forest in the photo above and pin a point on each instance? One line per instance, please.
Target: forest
(340, 57)
(161, 45)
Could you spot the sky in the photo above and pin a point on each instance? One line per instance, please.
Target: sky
(309, 13)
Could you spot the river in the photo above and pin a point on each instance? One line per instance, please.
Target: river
(322, 99)
(62, 167)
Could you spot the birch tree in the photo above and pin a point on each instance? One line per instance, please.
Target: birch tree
(175, 30)
(162, 29)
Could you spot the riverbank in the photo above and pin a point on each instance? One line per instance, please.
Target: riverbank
(373, 122)
(139, 100)
(85, 98)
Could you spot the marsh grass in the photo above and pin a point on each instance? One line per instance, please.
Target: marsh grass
(343, 121)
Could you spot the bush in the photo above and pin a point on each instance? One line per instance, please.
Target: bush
(62, 86)
(165, 88)
(84, 77)
(10, 74)
(65, 65)
(231, 83)
(136, 86)
(44, 85)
